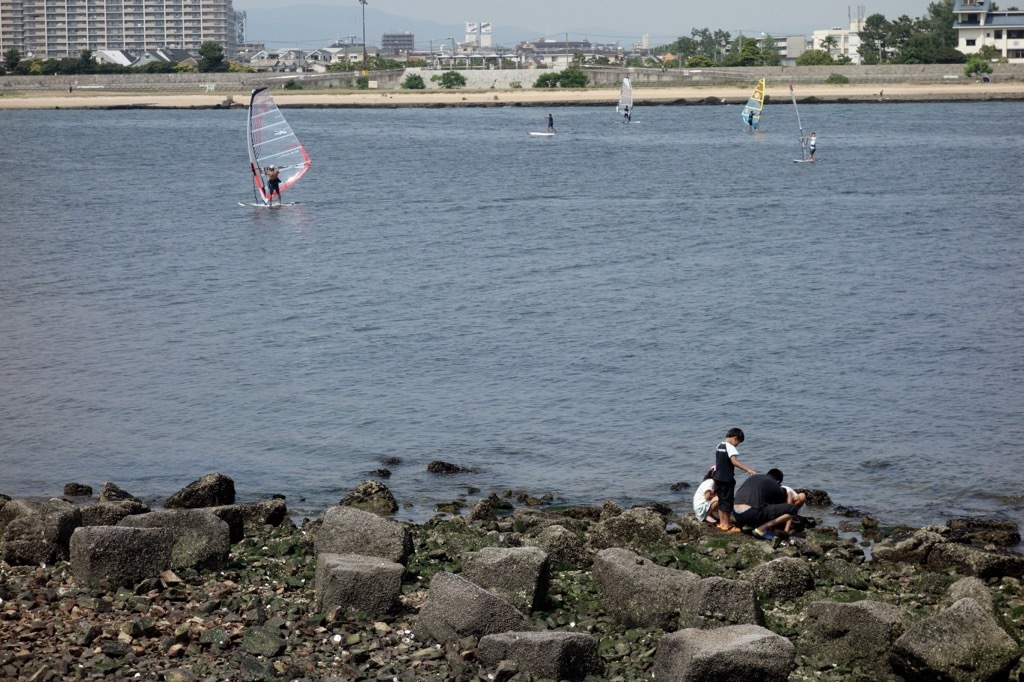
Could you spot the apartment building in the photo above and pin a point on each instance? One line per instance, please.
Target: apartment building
(978, 24)
(63, 28)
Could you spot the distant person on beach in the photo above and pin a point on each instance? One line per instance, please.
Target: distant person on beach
(705, 502)
(551, 123)
(812, 142)
(726, 463)
(273, 185)
(762, 503)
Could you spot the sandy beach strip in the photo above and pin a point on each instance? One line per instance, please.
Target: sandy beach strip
(697, 94)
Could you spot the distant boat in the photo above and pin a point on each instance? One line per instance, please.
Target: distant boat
(272, 142)
(752, 112)
(625, 106)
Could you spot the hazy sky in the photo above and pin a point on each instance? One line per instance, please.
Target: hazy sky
(658, 18)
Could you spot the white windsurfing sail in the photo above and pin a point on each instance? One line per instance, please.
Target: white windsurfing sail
(625, 97)
(272, 142)
(803, 142)
(752, 112)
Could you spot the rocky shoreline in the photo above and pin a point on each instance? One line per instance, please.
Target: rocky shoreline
(499, 592)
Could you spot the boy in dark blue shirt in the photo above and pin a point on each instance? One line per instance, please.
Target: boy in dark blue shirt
(726, 463)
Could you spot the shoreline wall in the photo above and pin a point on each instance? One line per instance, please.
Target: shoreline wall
(503, 79)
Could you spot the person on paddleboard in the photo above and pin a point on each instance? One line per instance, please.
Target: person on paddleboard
(273, 185)
(551, 123)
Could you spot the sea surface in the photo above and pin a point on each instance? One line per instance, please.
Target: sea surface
(584, 315)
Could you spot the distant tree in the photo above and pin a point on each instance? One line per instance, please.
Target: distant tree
(211, 57)
(939, 22)
(362, 82)
(699, 61)
(573, 77)
(413, 81)
(11, 59)
(292, 84)
(239, 67)
(449, 80)
(837, 79)
(416, 62)
(159, 67)
(976, 65)
(180, 67)
(926, 48)
(989, 52)
(547, 80)
(86, 63)
(830, 43)
(769, 52)
(874, 37)
(814, 58)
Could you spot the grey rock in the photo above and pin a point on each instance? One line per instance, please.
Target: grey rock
(566, 549)
(517, 574)
(232, 515)
(547, 655)
(347, 530)
(111, 492)
(369, 585)
(970, 560)
(962, 642)
(14, 509)
(261, 640)
(973, 588)
(482, 511)
(785, 578)
(720, 602)
(212, 490)
(273, 512)
(727, 654)
(371, 496)
(636, 527)
(42, 537)
(201, 540)
(109, 513)
(457, 608)
(913, 549)
(120, 556)
(984, 531)
(77, 490)
(637, 592)
(860, 634)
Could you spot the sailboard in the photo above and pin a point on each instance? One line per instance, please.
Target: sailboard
(752, 111)
(272, 142)
(539, 134)
(625, 105)
(803, 141)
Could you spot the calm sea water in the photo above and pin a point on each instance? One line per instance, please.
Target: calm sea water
(584, 315)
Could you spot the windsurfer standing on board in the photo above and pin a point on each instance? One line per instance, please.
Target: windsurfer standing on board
(812, 142)
(273, 185)
(551, 123)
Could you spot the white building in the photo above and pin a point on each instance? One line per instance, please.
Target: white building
(978, 25)
(846, 41)
(63, 28)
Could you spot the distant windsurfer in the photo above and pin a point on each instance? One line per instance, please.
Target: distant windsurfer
(273, 185)
(551, 123)
(750, 120)
(625, 114)
(812, 142)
